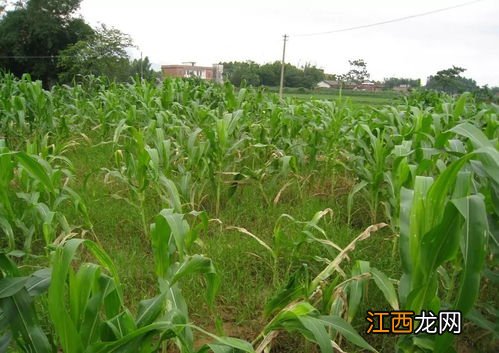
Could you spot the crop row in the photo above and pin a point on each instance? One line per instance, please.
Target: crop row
(430, 171)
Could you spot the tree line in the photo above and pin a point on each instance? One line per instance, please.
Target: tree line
(451, 81)
(270, 74)
(307, 76)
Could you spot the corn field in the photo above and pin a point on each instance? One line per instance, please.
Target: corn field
(419, 177)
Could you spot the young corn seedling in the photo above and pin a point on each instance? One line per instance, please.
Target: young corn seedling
(85, 300)
(33, 195)
(132, 167)
(369, 164)
(294, 307)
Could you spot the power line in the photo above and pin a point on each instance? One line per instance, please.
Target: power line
(387, 21)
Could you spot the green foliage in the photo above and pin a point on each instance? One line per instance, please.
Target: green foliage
(451, 81)
(432, 196)
(102, 54)
(269, 74)
(358, 72)
(142, 68)
(58, 8)
(34, 208)
(34, 34)
(45, 40)
(178, 152)
(239, 72)
(396, 81)
(19, 320)
(86, 307)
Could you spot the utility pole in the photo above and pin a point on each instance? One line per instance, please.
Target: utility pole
(141, 67)
(282, 65)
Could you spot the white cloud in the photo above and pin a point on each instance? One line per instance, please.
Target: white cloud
(224, 30)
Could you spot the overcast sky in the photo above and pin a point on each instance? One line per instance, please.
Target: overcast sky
(210, 31)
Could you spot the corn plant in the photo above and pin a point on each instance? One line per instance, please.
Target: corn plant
(33, 193)
(370, 167)
(26, 107)
(19, 321)
(85, 303)
(430, 161)
(309, 305)
(132, 168)
(445, 220)
(312, 305)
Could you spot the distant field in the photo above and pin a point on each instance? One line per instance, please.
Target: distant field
(356, 97)
(373, 99)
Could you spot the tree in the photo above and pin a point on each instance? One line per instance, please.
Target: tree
(102, 54)
(3, 6)
(397, 81)
(33, 32)
(142, 68)
(239, 72)
(293, 76)
(60, 9)
(270, 74)
(332, 77)
(9, 5)
(358, 72)
(451, 81)
(312, 75)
